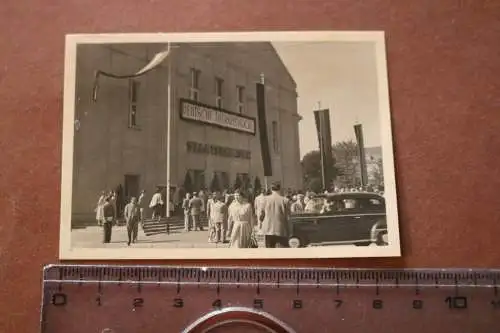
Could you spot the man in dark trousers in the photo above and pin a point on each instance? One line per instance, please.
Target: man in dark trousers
(274, 218)
(109, 217)
(195, 206)
(132, 216)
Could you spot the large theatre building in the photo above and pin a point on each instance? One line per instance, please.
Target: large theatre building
(121, 137)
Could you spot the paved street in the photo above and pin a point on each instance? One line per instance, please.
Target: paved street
(91, 237)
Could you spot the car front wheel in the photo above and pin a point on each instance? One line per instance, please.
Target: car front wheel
(294, 242)
(382, 239)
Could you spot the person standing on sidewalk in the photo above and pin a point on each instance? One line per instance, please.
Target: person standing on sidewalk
(132, 216)
(112, 201)
(185, 208)
(141, 203)
(108, 211)
(98, 211)
(203, 197)
(274, 222)
(211, 226)
(241, 222)
(195, 206)
(259, 203)
(156, 204)
(218, 218)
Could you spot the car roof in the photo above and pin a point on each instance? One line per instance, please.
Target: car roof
(351, 195)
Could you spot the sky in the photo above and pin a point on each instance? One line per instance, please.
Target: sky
(342, 77)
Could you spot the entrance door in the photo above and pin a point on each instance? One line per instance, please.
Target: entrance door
(131, 186)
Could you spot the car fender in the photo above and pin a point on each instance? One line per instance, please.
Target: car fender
(377, 228)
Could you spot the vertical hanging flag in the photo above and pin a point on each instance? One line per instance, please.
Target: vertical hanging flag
(358, 131)
(155, 62)
(264, 140)
(322, 119)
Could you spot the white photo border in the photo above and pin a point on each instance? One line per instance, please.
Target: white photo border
(67, 252)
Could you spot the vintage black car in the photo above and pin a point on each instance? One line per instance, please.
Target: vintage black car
(355, 218)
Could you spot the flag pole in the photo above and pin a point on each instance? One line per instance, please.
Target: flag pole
(169, 120)
(322, 150)
(266, 178)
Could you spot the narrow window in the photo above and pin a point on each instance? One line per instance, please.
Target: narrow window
(133, 103)
(194, 90)
(240, 92)
(219, 87)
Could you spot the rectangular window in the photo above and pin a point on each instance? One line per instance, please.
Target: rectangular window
(275, 137)
(131, 188)
(133, 103)
(194, 90)
(219, 88)
(224, 178)
(240, 92)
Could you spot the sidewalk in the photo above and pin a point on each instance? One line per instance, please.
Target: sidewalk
(91, 237)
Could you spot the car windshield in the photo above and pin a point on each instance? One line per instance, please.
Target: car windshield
(321, 206)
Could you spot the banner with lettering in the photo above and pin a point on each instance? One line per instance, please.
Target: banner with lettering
(358, 131)
(264, 139)
(155, 62)
(194, 111)
(322, 119)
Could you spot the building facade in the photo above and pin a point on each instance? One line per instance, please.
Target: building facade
(122, 137)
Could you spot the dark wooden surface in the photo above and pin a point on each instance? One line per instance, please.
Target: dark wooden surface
(444, 66)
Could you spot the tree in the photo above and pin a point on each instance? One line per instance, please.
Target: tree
(345, 168)
(377, 172)
(346, 157)
(311, 170)
(315, 185)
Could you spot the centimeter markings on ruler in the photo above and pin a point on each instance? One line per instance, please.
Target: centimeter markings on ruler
(270, 277)
(468, 291)
(259, 278)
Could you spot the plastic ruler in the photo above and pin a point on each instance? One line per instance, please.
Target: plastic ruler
(146, 299)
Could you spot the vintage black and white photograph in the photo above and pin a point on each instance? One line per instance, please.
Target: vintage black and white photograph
(227, 145)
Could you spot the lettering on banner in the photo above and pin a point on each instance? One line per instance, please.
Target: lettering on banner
(212, 116)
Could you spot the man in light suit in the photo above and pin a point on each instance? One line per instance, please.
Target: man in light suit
(195, 206)
(132, 216)
(185, 207)
(274, 218)
(218, 218)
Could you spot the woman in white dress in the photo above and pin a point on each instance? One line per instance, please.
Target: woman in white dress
(241, 222)
(99, 211)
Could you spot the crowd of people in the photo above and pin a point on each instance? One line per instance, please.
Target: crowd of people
(239, 217)
(109, 211)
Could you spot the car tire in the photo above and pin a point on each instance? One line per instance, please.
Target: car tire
(362, 244)
(294, 242)
(382, 239)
